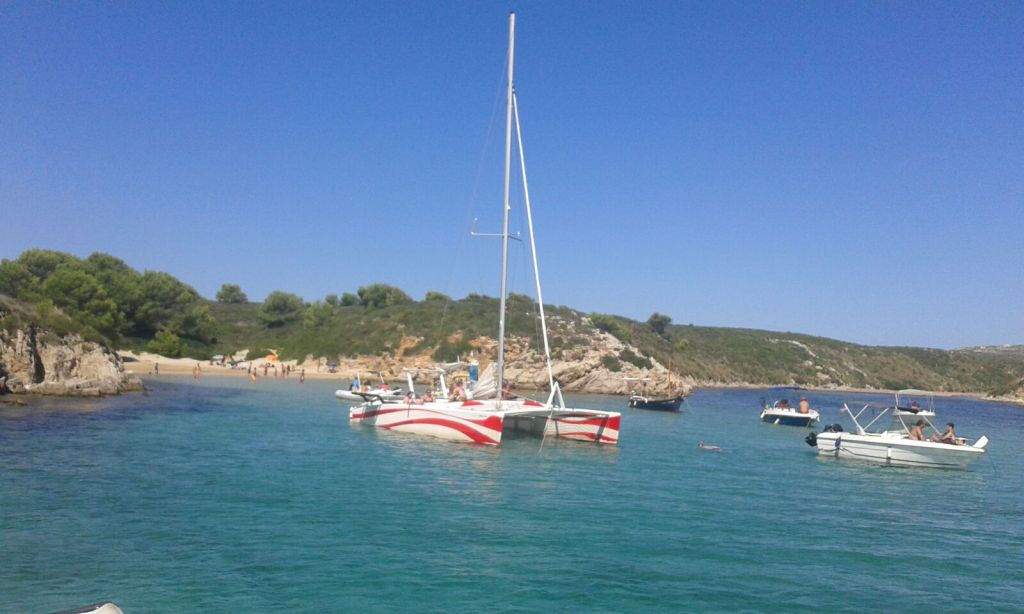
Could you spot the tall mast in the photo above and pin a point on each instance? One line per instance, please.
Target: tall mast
(505, 206)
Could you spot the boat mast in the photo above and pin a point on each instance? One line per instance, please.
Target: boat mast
(505, 206)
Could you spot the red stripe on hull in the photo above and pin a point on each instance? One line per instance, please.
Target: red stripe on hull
(474, 435)
(490, 422)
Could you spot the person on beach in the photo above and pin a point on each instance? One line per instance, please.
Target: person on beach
(948, 437)
(156, 368)
(917, 433)
(805, 407)
(252, 376)
(302, 376)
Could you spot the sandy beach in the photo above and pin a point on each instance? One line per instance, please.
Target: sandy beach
(145, 363)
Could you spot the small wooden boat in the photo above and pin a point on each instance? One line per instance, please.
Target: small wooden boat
(639, 400)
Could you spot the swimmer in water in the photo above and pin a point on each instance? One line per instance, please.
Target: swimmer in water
(708, 447)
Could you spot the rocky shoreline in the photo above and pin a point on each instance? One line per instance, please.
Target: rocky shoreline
(35, 361)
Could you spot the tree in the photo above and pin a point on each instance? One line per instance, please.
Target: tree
(43, 262)
(382, 295)
(349, 300)
(199, 324)
(163, 298)
(437, 296)
(280, 308)
(332, 300)
(16, 280)
(659, 323)
(317, 314)
(78, 293)
(231, 293)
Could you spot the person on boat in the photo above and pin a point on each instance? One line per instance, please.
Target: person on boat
(708, 447)
(409, 397)
(915, 406)
(428, 397)
(917, 433)
(948, 437)
(805, 407)
(506, 392)
(458, 392)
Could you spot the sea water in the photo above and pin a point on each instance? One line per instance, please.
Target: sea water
(232, 496)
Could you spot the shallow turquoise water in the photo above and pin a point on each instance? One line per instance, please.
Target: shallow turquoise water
(228, 496)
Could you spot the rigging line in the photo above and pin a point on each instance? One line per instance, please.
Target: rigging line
(476, 188)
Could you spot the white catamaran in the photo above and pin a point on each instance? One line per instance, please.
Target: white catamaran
(484, 420)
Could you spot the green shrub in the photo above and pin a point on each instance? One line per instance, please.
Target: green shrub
(280, 308)
(450, 351)
(627, 355)
(166, 344)
(611, 363)
(382, 295)
(659, 323)
(231, 293)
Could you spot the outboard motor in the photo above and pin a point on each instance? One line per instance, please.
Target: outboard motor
(812, 439)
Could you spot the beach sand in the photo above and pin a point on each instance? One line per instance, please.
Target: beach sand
(144, 363)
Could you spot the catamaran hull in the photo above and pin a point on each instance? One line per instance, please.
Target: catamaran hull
(897, 451)
(790, 418)
(459, 422)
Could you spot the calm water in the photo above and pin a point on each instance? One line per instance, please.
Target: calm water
(228, 496)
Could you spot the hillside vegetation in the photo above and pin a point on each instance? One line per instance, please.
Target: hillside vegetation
(101, 298)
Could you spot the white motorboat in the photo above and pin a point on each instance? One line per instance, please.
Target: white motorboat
(356, 394)
(781, 412)
(384, 394)
(485, 420)
(896, 446)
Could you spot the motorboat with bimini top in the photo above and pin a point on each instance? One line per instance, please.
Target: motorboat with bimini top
(482, 418)
(359, 392)
(897, 446)
(782, 412)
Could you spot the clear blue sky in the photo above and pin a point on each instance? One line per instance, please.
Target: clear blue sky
(848, 169)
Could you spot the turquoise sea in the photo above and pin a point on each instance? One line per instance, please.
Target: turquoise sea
(228, 496)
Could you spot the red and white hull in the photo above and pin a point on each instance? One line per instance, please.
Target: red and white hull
(484, 422)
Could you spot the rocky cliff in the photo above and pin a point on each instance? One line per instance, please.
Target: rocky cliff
(36, 361)
(582, 369)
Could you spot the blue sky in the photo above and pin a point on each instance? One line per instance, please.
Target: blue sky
(847, 169)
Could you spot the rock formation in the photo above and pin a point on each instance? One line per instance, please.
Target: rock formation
(36, 361)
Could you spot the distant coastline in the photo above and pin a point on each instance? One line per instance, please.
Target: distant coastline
(143, 366)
